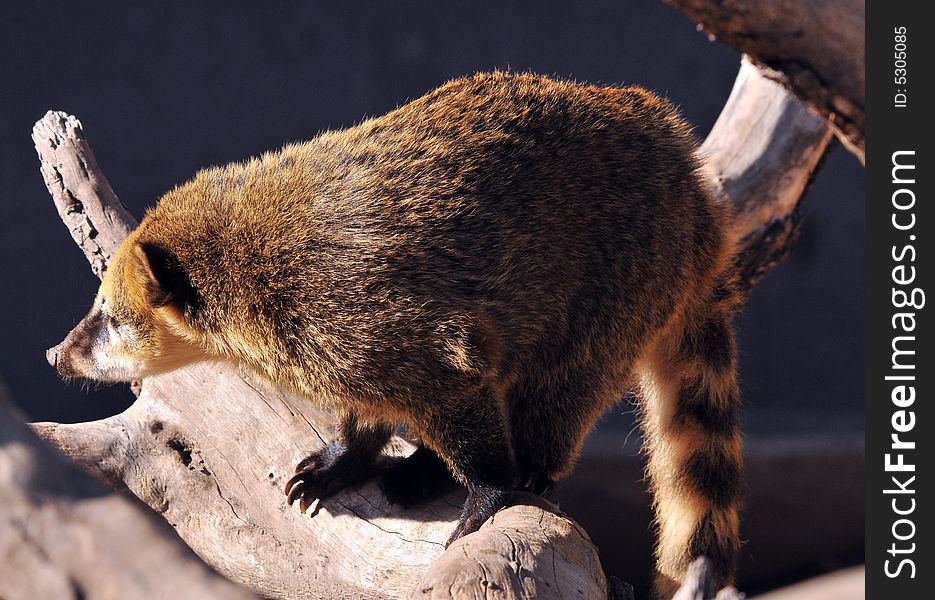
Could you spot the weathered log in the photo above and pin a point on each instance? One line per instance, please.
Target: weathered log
(66, 535)
(846, 584)
(760, 156)
(210, 447)
(85, 201)
(814, 47)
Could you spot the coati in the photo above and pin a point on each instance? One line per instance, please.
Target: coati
(492, 266)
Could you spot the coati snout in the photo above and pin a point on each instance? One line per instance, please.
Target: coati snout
(74, 356)
(492, 265)
(132, 330)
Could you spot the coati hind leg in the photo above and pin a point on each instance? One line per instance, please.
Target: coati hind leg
(341, 464)
(468, 430)
(549, 422)
(690, 413)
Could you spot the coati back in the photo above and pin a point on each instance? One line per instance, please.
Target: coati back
(493, 266)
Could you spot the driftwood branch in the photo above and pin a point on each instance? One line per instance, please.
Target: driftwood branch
(813, 47)
(65, 535)
(839, 585)
(209, 447)
(760, 155)
(95, 217)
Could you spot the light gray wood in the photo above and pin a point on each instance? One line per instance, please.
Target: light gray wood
(846, 584)
(814, 47)
(209, 447)
(88, 206)
(65, 535)
(760, 156)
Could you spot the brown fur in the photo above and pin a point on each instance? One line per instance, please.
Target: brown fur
(493, 266)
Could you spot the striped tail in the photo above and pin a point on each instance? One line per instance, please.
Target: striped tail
(690, 416)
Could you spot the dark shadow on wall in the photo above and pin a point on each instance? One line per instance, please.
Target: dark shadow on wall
(163, 93)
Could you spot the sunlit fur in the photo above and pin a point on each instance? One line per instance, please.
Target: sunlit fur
(493, 265)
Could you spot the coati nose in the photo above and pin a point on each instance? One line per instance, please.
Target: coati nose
(51, 355)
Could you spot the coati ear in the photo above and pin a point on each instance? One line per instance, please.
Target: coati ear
(167, 282)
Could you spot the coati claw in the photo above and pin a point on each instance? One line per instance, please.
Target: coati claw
(481, 504)
(456, 534)
(323, 474)
(304, 504)
(296, 489)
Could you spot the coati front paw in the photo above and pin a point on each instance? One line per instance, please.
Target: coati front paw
(481, 504)
(325, 473)
(416, 479)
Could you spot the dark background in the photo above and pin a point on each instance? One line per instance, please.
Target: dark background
(164, 89)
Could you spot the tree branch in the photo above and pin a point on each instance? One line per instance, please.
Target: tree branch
(760, 156)
(813, 47)
(65, 535)
(95, 217)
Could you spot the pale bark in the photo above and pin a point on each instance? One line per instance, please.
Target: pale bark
(65, 535)
(814, 47)
(846, 584)
(760, 156)
(209, 447)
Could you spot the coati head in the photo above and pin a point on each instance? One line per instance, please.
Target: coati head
(137, 325)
